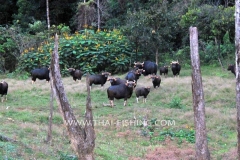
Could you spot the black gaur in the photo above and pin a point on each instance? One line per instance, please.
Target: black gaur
(176, 67)
(148, 67)
(132, 75)
(163, 70)
(156, 80)
(116, 81)
(40, 73)
(232, 68)
(75, 73)
(3, 90)
(142, 91)
(121, 91)
(98, 79)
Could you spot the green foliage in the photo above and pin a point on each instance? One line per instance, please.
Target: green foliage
(176, 102)
(65, 156)
(211, 52)
(88, 50)
(181, 134)
(219, 20)
(153, 30)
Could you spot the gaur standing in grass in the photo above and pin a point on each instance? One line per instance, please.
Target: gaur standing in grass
(142, 91)
(3, 90)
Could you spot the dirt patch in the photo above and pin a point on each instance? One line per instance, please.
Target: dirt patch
(169, 151)
(172, 153)
(231, 155)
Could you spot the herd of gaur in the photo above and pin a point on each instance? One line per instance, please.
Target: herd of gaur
(120, 88)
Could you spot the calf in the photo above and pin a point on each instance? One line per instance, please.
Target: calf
(164, 70)
(98, 79)
(156, 80)
(3, 90)
(75, 73)
(176, 67)
(232, 68)
(116, 81)
(120, 91)
(40, 73)
(142, 91)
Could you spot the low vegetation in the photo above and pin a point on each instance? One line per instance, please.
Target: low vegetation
(122, 132)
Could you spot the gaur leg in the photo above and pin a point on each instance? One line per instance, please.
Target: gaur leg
(137, 99)
(33, 80)
(125, 101)
(145, 99)
(111, 103)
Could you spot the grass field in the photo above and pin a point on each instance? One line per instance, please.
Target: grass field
(120, 131)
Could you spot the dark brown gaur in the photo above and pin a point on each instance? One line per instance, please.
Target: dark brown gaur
(75, 73)
(3, 90)
(156, 80)
(40, 73)
(116, 81)
(176, 68)
(231, 67)
(98, 79)
(121, 91)
(142, 91)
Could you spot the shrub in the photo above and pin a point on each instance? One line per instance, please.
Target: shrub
(181, 135)
(87, 50)
(176, 103)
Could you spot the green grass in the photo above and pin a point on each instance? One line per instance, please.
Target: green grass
(24, 117)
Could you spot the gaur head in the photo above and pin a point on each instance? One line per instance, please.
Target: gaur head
(130, 84)
(166, 67)
(111, 79)
(140, 71)
(148, 88)
(153, 77)
(106, 74)
(71, 70)
(138, 64)
(230, 67)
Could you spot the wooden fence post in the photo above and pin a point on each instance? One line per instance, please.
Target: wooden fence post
(201, 144)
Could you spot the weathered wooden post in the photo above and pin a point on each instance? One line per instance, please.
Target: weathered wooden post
(237, 61)
(201, 144)
(82, 137)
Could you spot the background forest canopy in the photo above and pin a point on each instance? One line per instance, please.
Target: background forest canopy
(98, 35)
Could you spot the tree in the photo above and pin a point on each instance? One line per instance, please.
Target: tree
(201, 145)
(82, 137)
(86, 14)
(47, 11)
(237, 62)
(154, 29)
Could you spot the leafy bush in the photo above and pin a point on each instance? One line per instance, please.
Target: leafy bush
(181, 135)
(211, 52)
(88, 50)
(176, 103)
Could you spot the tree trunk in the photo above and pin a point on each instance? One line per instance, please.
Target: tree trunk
(219, 51)
(49, 135)
(237, 61)
(156, 56)
(201, 145)
(82, 137)
(48, 19)
(98, 12)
